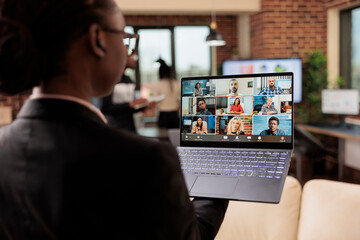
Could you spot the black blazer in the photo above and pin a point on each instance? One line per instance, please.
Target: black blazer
(64, 174)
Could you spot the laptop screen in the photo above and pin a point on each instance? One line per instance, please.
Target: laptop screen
(249, 111)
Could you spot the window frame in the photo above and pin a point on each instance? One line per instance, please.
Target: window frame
(136, 29)
(345, 46)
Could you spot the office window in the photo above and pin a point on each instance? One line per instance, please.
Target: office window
(154, 44)
(355, 49)
(182, 47)
(350, 47)
(192, 54)
(130, 72)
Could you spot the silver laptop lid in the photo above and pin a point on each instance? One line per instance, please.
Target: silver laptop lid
(242, 111)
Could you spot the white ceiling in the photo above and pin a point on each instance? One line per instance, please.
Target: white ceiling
(188, 7)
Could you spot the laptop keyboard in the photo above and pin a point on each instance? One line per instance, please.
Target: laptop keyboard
(262, 164)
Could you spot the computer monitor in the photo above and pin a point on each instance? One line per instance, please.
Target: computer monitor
(340, 101)
(250, 66)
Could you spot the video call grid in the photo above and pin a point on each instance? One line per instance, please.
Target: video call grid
(253, 123)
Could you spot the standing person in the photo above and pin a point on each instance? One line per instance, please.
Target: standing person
(119, 106)
(169, 107)
(65, 174)
(271, 89)
(236, 107)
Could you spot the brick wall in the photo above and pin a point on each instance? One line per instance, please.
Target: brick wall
(247, 126)
(286, 28)
(15, 102)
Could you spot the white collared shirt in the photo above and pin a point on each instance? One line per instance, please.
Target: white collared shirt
(36, 94)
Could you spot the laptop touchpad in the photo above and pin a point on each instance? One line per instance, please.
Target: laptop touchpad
(189, 180)
(214, 185)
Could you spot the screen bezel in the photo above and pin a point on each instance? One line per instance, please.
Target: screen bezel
(265, 145)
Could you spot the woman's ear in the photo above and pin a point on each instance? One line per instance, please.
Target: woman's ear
(97, 41)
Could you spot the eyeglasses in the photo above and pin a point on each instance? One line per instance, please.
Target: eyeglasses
(131, 41)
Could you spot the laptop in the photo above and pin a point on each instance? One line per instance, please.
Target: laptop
(236, 135)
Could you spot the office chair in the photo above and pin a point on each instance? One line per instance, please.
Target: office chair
(258, 107)
(329, 210)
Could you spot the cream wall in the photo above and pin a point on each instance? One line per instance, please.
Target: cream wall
(157, 7)
(243, 25)
(333, 43)
(352, 150)
(352, 154)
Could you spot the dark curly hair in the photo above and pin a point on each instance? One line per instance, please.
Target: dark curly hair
(165, 72)
(35, 34)
(164, 69)
(274, 119)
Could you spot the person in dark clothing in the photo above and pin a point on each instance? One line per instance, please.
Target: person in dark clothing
(119, 106)
(202, 108)
(65, 174)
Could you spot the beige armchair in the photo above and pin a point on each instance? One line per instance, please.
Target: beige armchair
(322, 210)
(329, 210)
(246, 220)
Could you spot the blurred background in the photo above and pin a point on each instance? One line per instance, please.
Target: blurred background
(318, 40)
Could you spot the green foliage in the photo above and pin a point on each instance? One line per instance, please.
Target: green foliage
(340, 81)
(314, 80)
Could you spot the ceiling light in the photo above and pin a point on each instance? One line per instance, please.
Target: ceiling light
(214, 38)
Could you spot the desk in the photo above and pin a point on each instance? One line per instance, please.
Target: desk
(154, 133)
(350, 132)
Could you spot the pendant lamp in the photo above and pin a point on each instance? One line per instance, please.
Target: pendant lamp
(214, 38)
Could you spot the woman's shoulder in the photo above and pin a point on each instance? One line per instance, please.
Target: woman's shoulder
(129, 140)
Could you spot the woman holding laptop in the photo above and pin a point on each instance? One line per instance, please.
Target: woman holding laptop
(65, 174)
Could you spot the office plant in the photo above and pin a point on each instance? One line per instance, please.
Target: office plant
(314, 80)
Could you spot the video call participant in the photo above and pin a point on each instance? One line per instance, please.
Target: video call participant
(268, 108)
(286, 107)
(273, 127)
(199, 127)
(236, 107)
(271, 89)
(235, 127)
(202, 106)
(233, 88)
(198, 91)
(64, 174)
